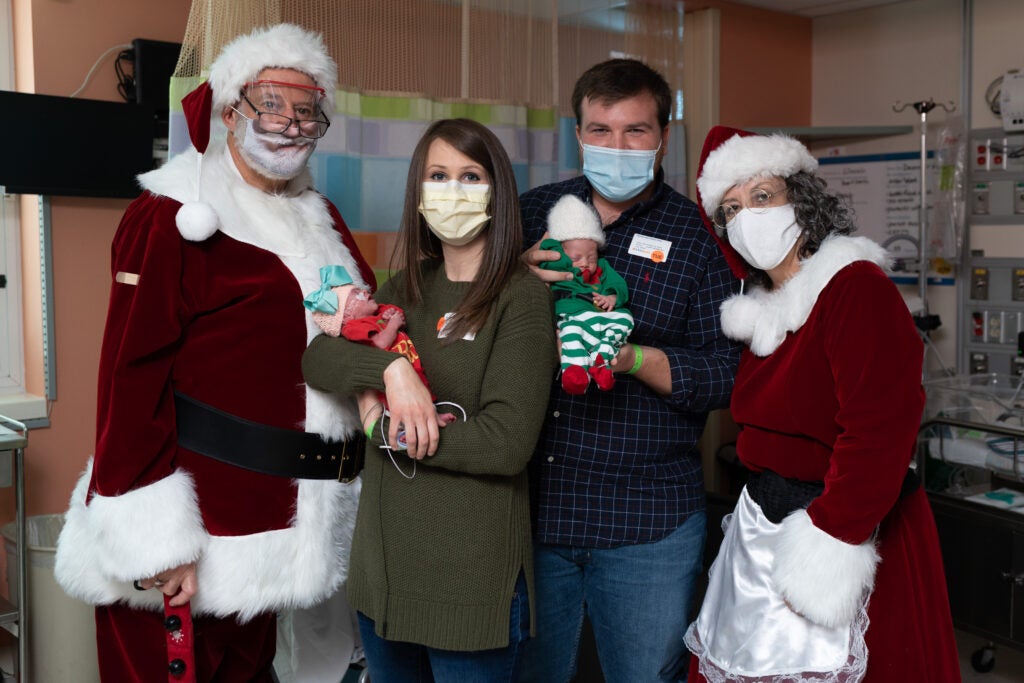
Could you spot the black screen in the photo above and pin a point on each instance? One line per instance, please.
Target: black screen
(74, 147)
(154, 65)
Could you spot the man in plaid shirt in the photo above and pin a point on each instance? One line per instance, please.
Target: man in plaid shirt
(616, 482)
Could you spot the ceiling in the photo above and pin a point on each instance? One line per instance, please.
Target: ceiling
(815, 8)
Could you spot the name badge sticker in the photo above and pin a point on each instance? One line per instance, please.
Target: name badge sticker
(650, 247)
(442, 328)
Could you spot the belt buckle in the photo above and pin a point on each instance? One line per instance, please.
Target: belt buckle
(341, 468)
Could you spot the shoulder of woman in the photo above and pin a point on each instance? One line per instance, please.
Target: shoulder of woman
(864, 287)
(523, 280)
(863, 277)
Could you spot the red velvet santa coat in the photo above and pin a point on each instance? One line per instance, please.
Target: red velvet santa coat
(829, 389)
(218, 317)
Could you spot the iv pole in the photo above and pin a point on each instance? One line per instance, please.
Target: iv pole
(925, 322)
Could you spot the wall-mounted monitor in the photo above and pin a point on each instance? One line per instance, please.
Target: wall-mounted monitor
(74, 147)
(154, 65)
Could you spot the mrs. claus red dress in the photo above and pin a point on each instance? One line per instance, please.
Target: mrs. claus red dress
(829, 390)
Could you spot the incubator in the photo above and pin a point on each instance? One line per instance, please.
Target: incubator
(972, 439)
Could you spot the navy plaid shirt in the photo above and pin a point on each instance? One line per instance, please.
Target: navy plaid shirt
(622, 467)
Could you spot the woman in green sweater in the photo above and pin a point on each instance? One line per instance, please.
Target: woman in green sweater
(441, 570)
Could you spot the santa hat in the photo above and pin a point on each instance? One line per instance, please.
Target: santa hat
(284, 46)
(573, 219)
(745, 156)
(731, 156)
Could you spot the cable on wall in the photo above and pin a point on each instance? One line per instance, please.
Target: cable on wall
(88, 76)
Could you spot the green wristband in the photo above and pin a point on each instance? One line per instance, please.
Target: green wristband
(638, 360)
(369, 429)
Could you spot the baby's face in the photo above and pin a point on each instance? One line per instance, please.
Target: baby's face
(359, 304)
(582, 252)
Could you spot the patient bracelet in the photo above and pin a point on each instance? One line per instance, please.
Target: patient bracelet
(638, 359)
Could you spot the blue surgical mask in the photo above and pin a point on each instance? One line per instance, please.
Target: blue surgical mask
(618, 174)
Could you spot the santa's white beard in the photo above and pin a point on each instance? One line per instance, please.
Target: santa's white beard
(273, 156)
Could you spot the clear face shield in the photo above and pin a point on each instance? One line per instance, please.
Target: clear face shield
(285, 109)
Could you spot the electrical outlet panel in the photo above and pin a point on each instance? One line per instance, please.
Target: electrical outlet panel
(979, 284)
(997, 155)
(1014, 153)
(979, 363)
(977, 326)
(993, 326)
(979, 199)
(982, 151)
(1017, 285)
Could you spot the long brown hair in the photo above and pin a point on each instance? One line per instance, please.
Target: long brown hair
(504, 234)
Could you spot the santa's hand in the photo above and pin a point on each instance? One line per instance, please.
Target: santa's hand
(534, 256)
(411, 410)
(179, 583)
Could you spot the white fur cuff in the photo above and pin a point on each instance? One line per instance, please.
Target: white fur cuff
(821, 577)
(127, 537)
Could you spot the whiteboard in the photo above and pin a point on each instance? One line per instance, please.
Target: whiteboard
(884, 191)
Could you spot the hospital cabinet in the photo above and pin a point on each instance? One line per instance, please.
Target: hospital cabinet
(971, 460)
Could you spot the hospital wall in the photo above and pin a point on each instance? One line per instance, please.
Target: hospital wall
(56, 43)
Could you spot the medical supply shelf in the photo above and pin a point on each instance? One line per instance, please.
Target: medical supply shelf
(971, 460)
(14, 618)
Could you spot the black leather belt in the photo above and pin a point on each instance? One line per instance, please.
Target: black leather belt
(253, 446)
(779, 496)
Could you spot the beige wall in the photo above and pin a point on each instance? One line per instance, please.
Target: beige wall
(864, 62)
(65, 38)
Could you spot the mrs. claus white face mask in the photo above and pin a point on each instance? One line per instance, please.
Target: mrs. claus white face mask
(764, 239)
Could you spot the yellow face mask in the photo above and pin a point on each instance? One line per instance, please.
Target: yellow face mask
(454, 211)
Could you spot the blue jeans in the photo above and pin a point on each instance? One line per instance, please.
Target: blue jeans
(637, 598)
(391, 661)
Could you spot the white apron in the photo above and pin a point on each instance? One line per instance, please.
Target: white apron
(746, 633)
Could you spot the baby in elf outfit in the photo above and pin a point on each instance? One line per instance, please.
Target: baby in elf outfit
(340, 308)
(593, 321)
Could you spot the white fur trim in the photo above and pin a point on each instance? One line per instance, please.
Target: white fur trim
(296, 225)
(762, 318)
(103, 548)
(127, 537)
(573, 219)
(284, 46)
(821, 577)
(742, 158)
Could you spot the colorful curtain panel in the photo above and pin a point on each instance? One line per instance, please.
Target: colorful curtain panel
(362, 162)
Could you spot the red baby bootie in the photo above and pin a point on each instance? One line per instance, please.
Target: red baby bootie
(575, 380)
(603, 377)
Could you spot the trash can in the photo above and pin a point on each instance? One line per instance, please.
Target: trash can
(61, 629)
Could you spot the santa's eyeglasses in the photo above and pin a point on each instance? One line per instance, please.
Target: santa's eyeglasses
(310, 119)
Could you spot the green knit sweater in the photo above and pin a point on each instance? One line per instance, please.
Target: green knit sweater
(435, 558)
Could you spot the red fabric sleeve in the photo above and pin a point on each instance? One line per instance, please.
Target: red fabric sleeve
(135, 429)
(876, 357)
(361, 329)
